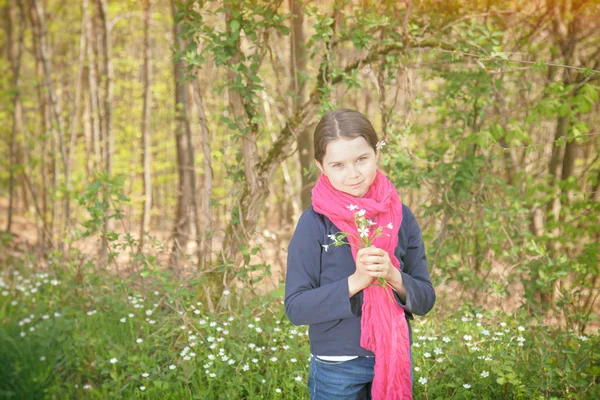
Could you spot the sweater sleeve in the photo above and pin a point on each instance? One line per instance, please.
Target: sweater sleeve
(420, 295)
(308, 302)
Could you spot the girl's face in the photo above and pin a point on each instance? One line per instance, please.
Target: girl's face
(350, 165)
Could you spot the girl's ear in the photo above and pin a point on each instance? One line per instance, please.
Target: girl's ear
(320, 167)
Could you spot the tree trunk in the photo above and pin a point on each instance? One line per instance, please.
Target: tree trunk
(108, 138)
(49, 207)
(146, 145)
(79, 88)
(15, 50)
(298, 69)
(92, 87)
(206, 232)
(40, 32)
(181, 229)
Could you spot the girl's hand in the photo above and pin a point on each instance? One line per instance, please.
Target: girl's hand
(360, 279)
(377, 264)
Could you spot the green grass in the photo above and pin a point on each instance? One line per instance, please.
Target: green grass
(59, 332)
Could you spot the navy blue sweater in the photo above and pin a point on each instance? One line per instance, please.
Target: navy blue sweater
(316, 287)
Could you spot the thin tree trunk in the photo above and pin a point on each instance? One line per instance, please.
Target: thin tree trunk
(79, 88)
(146, 145)
(108, 138)
(92, 86)
(181, 229)
(40, 33)
(298, 69)
(49, 207)
(15, 50)
(205, 232)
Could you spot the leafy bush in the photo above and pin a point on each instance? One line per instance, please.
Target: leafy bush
(69, 336)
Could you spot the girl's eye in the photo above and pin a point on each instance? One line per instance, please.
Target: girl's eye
(362, 159)
(337, 165)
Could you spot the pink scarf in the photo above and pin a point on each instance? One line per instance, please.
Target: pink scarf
(384, 329)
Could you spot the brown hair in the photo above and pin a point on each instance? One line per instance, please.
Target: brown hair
(342, 124)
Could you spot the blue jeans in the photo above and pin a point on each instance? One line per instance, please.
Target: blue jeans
(341, 380)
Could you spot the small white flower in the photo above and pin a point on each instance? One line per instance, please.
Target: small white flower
(273, 359)
(467, 386)
(131, 315)
(292, 360)
(87, 386)
(440, 360)
(145, 374)
(142, 388)
(446, 339)
(521, 329)
(172, 367)
(521, 339)
(139, 340)
(148, 312)
(246, 367)
(422, 380)
(298, 379)
(478, 315)
(278, 390)
(123, 319)
(332, 237)
(363, 231)
(380, 144)
(467, 337)
(352, 207)
(390, 226)
(427, 355)
(213, 324)
(437, 351)
(113, 360)
(485, 374)
(43, 358)
(361, 213)
(485, 332)
(326, 247)
(464, 319)
(226, 292)
(583, 338)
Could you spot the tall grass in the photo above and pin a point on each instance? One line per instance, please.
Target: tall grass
(67, 334)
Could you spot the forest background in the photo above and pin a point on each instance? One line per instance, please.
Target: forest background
(172, 140)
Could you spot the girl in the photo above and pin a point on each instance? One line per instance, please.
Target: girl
(359, 331)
